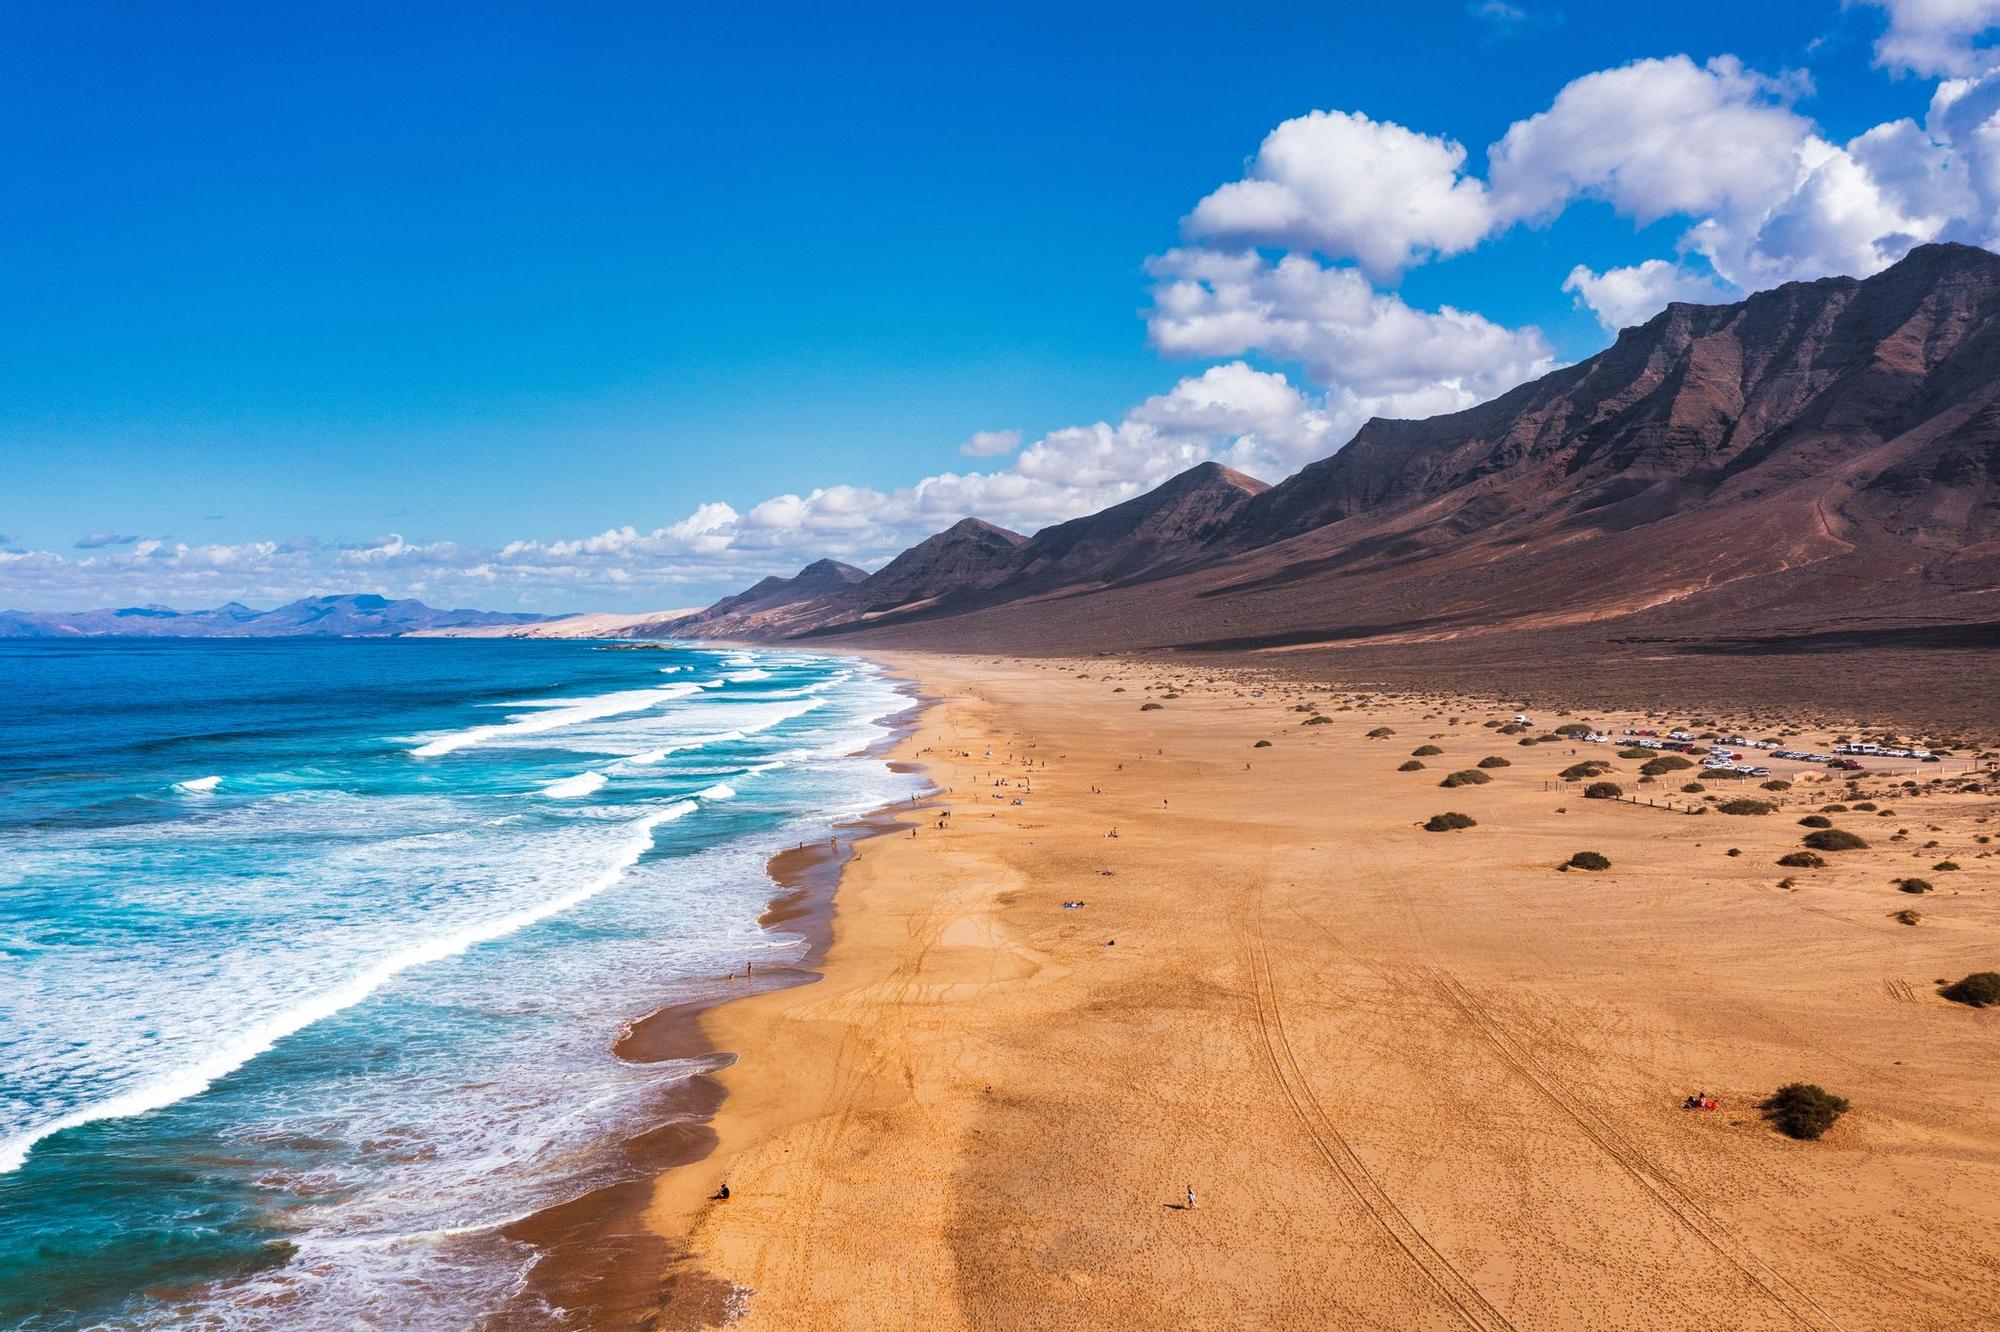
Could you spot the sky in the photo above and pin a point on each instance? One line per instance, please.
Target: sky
(623, 306)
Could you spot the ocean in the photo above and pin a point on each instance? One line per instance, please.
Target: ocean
(313, 952)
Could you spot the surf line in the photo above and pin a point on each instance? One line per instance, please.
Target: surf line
(240, 1049)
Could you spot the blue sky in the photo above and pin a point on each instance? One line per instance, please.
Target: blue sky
(443, 300)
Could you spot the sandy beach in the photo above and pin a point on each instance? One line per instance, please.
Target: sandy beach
(1413, 1079)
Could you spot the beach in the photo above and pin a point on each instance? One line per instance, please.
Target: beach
(1408, 1079)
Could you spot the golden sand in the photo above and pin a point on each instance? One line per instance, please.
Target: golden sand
(1415, 1079)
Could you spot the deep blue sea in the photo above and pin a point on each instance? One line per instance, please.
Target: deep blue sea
(312, 953)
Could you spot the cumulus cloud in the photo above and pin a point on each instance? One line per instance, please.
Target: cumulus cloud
(1339, 184)
(1622, 297)
(1933, 37)
(1350, 337)
(991, 443)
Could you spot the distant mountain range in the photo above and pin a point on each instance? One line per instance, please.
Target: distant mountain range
(1822, 456)
(355, 616)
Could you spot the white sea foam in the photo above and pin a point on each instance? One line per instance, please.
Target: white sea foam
(712, 684)
(580, 785)
(659, 755)
(198, 785)
(236, 1050)
(552, 718)
(720, 791)
(746, 677)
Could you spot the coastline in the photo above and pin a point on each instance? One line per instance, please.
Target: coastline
(1418, 1080)
(595, 1259)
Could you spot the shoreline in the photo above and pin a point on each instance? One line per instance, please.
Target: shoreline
(984, 1110)
(595, 1259)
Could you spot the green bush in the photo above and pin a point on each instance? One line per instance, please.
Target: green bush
(1663, 764)
(1815, 821)
(1411, 765)
(1581, 772)
(1494, 761)
(1635, 753)
(1588, 860)
(1425, 751)
(1603, 791)
(1914, 885)
(1741, 806)
(1572, 728)
(1981, 989)
(1466, 777)
(1835, 839)
(1803, 1110)
(1801, 860)
(1450, 822)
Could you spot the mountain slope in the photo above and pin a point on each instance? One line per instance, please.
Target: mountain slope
(1825, 454)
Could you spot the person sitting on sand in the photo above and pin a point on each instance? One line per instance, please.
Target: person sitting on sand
(720, 1195)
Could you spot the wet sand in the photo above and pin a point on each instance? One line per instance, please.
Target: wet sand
(1416, 1079)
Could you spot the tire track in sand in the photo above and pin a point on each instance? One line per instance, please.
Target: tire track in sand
(1799, 1306)
(1474, 1309)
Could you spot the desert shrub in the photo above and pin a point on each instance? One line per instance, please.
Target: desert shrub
(1316, 721)
(1914, 885)
(1603, 791)
(1466, 777)
(1664, 763)
(1587, 860)
(1835, 839)
(1635, 753)
(1425, 751)
(1450, 822)
(1724, 775)
(1868, 805)
(1733, 851)
(1151, 707)
(1494, 761)
(1381, 733)
(1742, 806)
(1981, 989)
(1833, 809)
(1261, 744)
(1803, 1110)
(1945, 866)
(1578, 772)
(1411, 765)
(1777, 784)
(1801, 860)
(1513, 728)
(1694, 788)
(1815, 821)
(1572, 728)
(1906, 916)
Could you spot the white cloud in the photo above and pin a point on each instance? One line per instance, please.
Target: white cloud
(991, 443)
(1933, 37)
(1348, 335)
(1622, 297)
(1344, 186)
(1655, 138)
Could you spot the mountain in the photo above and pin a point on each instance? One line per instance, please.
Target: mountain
(1822, 456)
(974, 563)
(362, 615)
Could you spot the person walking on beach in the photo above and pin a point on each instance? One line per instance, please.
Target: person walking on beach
(1190, 1197)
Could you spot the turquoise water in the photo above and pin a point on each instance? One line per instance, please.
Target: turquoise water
(312, 953)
